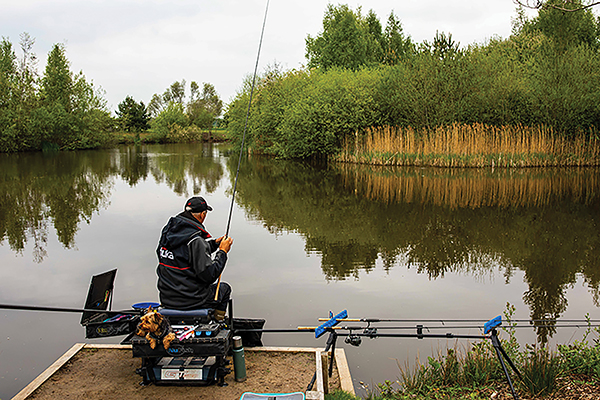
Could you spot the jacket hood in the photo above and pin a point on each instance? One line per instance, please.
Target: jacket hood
(180, 229)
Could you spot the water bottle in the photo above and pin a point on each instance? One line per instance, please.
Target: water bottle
(239, 362)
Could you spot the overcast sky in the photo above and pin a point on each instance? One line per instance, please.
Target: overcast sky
(140, 47)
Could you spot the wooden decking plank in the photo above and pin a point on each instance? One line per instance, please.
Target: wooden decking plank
(37, 382)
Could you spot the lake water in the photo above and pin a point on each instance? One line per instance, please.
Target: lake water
(402, 243)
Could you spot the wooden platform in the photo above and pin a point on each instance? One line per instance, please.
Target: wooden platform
(108, 372)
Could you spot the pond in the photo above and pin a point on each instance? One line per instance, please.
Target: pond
(309, 238)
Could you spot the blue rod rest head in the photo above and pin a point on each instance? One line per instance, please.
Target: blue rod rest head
(491, 324)
(329, 324)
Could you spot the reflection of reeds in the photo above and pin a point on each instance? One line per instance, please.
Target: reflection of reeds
(473, 187)
(474, 145)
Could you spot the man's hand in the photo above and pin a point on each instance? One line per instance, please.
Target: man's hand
(225, 243)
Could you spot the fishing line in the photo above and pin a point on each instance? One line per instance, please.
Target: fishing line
(237, 173)
(246, 123)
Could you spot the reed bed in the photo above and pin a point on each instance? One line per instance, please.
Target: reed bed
(476, 145)
(472, 188)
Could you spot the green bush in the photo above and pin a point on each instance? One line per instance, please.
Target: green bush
(168, 125)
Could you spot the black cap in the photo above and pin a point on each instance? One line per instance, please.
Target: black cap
(197, 205)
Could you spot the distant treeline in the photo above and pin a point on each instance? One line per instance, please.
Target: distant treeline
(360, 76)
(59, 110)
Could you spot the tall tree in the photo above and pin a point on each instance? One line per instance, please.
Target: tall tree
(57, 83)
(204, 107)
(173, 94)
(133, 116)
(561, 5)
(396, 45)
(54, 117)
(348, 40)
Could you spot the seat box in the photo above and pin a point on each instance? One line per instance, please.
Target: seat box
(185, 370)
(218, 345)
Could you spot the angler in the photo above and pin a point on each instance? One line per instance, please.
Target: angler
(187, 272)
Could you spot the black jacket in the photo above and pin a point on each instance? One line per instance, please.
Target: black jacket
(185, 267)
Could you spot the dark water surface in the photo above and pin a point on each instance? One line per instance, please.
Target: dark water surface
(407, 243)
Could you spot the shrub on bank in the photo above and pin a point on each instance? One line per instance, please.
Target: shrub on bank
(520, 81)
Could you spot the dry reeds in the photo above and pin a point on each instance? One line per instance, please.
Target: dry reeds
(472, 188)
(475, 145)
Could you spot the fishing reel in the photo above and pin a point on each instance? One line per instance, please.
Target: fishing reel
(353, 340)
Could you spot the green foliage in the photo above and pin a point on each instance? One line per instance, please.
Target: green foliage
(299, 115)
(132, 116)
(204, 108)
(178, 120)
(565, 29)
(358, 77)
(340, 395)
(59, 111)
(350, 40)
(540, 370)
(169, 123)
(580, 358)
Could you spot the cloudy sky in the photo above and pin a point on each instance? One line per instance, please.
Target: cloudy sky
(140, 47)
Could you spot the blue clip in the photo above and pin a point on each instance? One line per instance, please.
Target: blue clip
(319, 331)
(491, 324)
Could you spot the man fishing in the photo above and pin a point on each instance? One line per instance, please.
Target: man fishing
(186, 270)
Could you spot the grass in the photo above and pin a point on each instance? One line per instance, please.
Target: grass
(190, 134)
(476, 373)
(475, 145)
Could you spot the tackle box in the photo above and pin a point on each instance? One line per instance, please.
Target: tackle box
(219, 344)
(104, 322)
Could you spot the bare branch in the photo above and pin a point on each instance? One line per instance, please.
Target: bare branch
(540, 4)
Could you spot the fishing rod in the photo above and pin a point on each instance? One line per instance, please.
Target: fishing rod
(237, 173)
(443, 321)
(63, 309)
(355, 339)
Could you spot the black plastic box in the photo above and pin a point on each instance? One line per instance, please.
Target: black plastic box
(103, 322)
(218, 345)
(96, 327)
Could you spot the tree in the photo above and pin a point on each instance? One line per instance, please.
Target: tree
(204, 108)
(561, 5)
(174, 93)
(351, 41)
(396, 46)
(169, 122)
(567, 29)
(348, 40)
(57, 81)
(54, 117)
(133, 116)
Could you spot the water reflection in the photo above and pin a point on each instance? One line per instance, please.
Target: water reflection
(439, 221)
(39, 190)
(436, 221)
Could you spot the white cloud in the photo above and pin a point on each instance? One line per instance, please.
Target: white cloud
(140, 47)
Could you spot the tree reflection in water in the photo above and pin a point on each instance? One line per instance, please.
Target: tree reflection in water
(543, 222)
(439, 221)
(65, 188)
